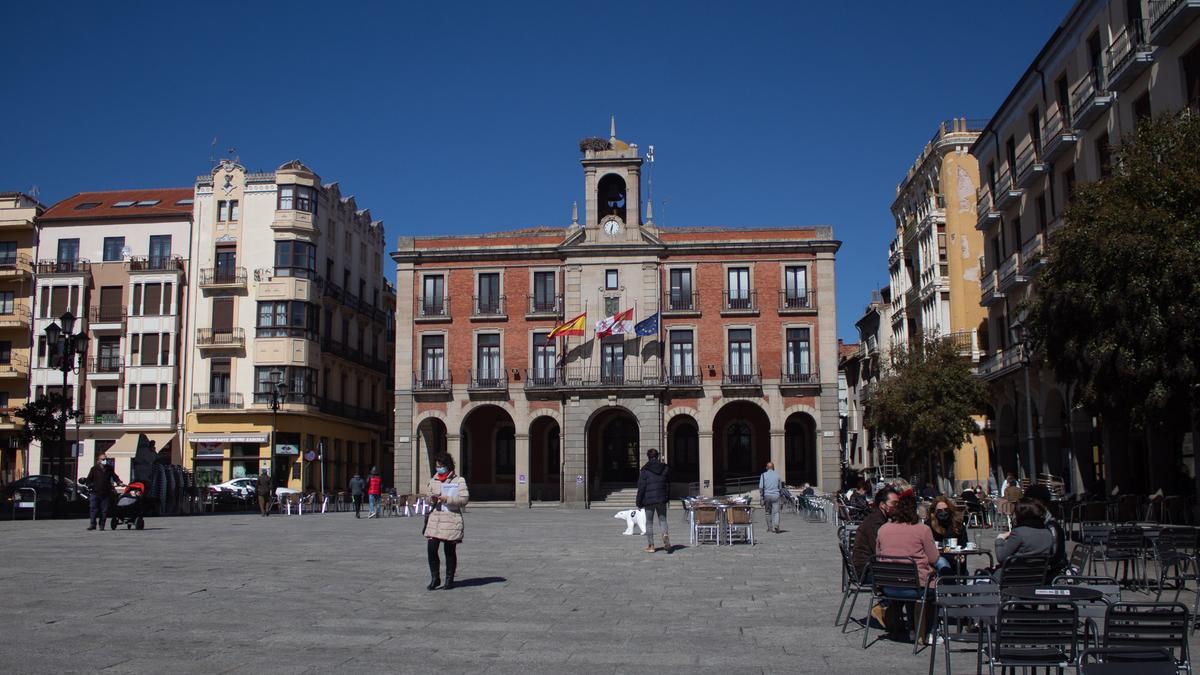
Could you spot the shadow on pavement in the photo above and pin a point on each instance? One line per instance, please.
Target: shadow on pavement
(478, 581)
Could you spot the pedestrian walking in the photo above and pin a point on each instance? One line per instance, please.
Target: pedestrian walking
(653, 493)
(100, 479)
(374, 489)
(357, 487)
(264, 493)
(769, 486)
(444, 525)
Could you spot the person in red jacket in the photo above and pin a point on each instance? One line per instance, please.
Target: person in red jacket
(374, 489)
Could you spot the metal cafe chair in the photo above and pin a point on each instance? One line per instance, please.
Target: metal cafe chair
(1024, 571)
(852, 586)
(959, 599)
(1150, 625)
(1034, 635)
(706, 525)
(1126, 661)
(889, 575)
(739, 524)
(1092, 612)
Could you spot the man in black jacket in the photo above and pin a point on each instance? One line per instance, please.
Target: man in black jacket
(652, 495)
(101, 480)
(357, 487)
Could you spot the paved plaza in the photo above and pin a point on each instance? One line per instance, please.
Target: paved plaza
(544, 590)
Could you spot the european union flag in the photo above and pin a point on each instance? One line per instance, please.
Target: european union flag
(647, 326)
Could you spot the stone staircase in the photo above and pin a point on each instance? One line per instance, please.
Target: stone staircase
(615, 496)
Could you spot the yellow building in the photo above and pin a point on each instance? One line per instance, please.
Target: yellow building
(18, 214)
(933, 262)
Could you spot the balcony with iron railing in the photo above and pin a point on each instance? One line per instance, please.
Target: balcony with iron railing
(1169, 18)
(154, 263)
(1129, 55)
(488, 307)
(797, 301)
(1007, 191)
(331, 290)
(432, 382)
(1090, 98)
(1058, 134)
(798, 378)
(106, 317)
(217, 400)
(493, 380)
(1011, 274)
(15, 266)
(965, 343)
(16, 316)
(988, 289)
(1030, 166)
(217, 278)
(46, 268)
(543, 378)
(268, 397)
(220, 338)
(105, 366)
(1032, 252)
(548, 306)
(104, 418)
(352, 412)
(633, 376)
(985, 210)
(741, 376)
(678, 302)
(739, 302)
(433, 309)
(690, 378)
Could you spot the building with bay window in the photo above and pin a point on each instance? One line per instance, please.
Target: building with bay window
(733, 361)
(18, 235)
(289, 331)
(117, 262)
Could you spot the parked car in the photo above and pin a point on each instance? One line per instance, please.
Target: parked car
(242, 487)
(74, 495)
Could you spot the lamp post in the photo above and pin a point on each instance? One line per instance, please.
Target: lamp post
(64, 342)
(1020, 341)
(278, 394)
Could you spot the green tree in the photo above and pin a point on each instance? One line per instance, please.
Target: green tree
(926, 403)
(43, 419)
(1117, 310)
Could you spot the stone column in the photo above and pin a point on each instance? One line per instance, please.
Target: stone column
(454, 447)
(779, 452)
(522, 477)
(706, 464)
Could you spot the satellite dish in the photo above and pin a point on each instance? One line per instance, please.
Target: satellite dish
(126, 251)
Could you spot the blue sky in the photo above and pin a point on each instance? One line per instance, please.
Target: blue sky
(465, 117)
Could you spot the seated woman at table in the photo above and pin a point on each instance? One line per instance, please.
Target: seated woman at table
(946, 523)
(1029, 536)
(904, 536)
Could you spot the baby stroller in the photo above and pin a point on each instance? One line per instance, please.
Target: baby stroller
(129, 509)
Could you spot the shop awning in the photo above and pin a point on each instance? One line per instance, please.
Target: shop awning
(161, 440)
(125, 446)
(229, 437)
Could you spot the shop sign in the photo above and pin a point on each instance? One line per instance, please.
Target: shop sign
(287, 449)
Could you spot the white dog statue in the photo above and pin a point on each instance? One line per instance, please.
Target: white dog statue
(632, 516)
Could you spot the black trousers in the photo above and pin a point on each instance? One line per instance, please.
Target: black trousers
(357, 504)
(450, 547)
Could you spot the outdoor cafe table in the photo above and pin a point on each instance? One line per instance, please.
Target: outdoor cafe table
(958, 556)
(1060, 593)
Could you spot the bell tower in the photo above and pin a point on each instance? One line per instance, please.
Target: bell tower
(612, 171)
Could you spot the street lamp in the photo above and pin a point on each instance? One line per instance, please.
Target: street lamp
(1020, 341)
(278, 394)
(67, 345)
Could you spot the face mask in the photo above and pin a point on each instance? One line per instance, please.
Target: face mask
(943, 516)
(442, 471)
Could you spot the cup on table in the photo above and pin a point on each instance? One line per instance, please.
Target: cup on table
(951, 542)
(971, 546)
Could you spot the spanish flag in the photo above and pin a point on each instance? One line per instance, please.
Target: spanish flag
(576, 326)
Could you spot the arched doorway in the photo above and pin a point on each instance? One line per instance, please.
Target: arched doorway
(741, 444)
(800, 449)
(614, 450)
(431, 440)
(545, 460)
(489, 454)
(683, 449)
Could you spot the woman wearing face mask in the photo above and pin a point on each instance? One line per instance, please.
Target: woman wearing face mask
(444, 525)
(947, 523)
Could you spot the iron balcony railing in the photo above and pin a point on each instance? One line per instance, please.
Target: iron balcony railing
(104, 418)
(681, 301)
(107, 314)
(433, 306)
(741, 300)
(52, 267)
(543, 378)
(331, 290)
(105, 363)
(1126, 44)
(799, 376)
(353, 412)
(616, 376)
(218, 276)
(491, 379)
(220, 337)
(487, 305)
(267, 397)
(217, 400)
(1028, 155)
(155, 263)
(431, 381)
(541, 304)
(741, 375)
(797, 299)
(1086, 90)
(693, 379)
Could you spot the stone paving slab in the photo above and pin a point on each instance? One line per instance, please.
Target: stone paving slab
(545, 591)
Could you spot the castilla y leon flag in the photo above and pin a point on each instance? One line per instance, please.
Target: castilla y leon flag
(576, 326)
(617, 324)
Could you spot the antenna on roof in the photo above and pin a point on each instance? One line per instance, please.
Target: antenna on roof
(212, 153)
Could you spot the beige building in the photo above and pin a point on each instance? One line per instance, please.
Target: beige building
(866, 450)
(1108, 65)
(932, 262)
(288, 339)
(18, 235)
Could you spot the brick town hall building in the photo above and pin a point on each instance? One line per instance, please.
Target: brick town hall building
(741, 368)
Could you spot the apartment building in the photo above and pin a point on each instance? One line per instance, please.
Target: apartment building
(863, 368)
(1108, 65)
(116, 262)
(18, 235)
(290, 330)
(932, 262)
(724, 354)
